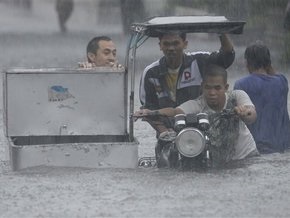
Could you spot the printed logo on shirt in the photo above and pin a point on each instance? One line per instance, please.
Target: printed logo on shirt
(190, 76)
(187, 76)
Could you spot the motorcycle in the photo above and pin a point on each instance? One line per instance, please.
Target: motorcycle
(192, 144)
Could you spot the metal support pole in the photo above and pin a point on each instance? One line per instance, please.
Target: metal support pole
(131, 110)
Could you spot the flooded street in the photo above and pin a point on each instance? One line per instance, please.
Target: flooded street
(257, 187)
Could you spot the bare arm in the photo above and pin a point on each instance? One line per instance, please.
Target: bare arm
(247, 113)
(169, 112)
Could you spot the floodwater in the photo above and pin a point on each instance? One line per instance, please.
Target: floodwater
(257, 187)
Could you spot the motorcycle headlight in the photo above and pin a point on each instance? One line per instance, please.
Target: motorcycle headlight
(190, 142)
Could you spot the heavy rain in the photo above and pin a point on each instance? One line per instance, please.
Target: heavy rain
(40, 34)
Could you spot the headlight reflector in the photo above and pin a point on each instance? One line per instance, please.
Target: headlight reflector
(190, 142)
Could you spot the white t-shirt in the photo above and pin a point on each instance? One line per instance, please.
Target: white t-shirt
(245, 143)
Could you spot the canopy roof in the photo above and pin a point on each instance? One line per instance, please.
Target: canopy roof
(188, 24)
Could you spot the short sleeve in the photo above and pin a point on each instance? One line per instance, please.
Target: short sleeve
(190, 107)
(242, 98)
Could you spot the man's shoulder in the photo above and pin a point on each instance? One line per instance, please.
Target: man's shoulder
(240, 97)
(244, 79)
(237, 93)
(154, 69)
(282, 77)
(244, 82)
(196, 55)
(152, 66)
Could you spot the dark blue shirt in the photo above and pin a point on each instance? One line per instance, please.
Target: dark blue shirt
(269, 95)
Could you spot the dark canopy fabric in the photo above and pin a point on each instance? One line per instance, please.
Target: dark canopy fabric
(188, 24)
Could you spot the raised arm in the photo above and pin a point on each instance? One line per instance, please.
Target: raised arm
(169, 112)
(226, 54)
(226, 43)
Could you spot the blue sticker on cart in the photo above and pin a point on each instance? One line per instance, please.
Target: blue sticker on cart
(58, 93)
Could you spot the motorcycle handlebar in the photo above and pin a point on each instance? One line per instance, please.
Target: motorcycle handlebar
(223, 113)
(230, 112)
(148, 115)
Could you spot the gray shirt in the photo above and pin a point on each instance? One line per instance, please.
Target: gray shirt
(245, 143)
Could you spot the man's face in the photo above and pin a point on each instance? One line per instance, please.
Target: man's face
(106, 54)
(172, 46)
(214, 89)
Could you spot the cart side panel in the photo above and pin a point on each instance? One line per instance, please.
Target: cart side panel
(65, 103)
(68, 118)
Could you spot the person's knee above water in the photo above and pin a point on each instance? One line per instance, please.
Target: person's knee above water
(101, 52)
(214, 99)
(268, 91)
(177, 76)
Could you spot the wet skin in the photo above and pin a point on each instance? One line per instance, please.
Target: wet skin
(214, 89)
(172, 46)
(105, 55)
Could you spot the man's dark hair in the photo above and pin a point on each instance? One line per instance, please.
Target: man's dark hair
(182, 35)
(93, 45)
(258, 56)
(215, 70)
